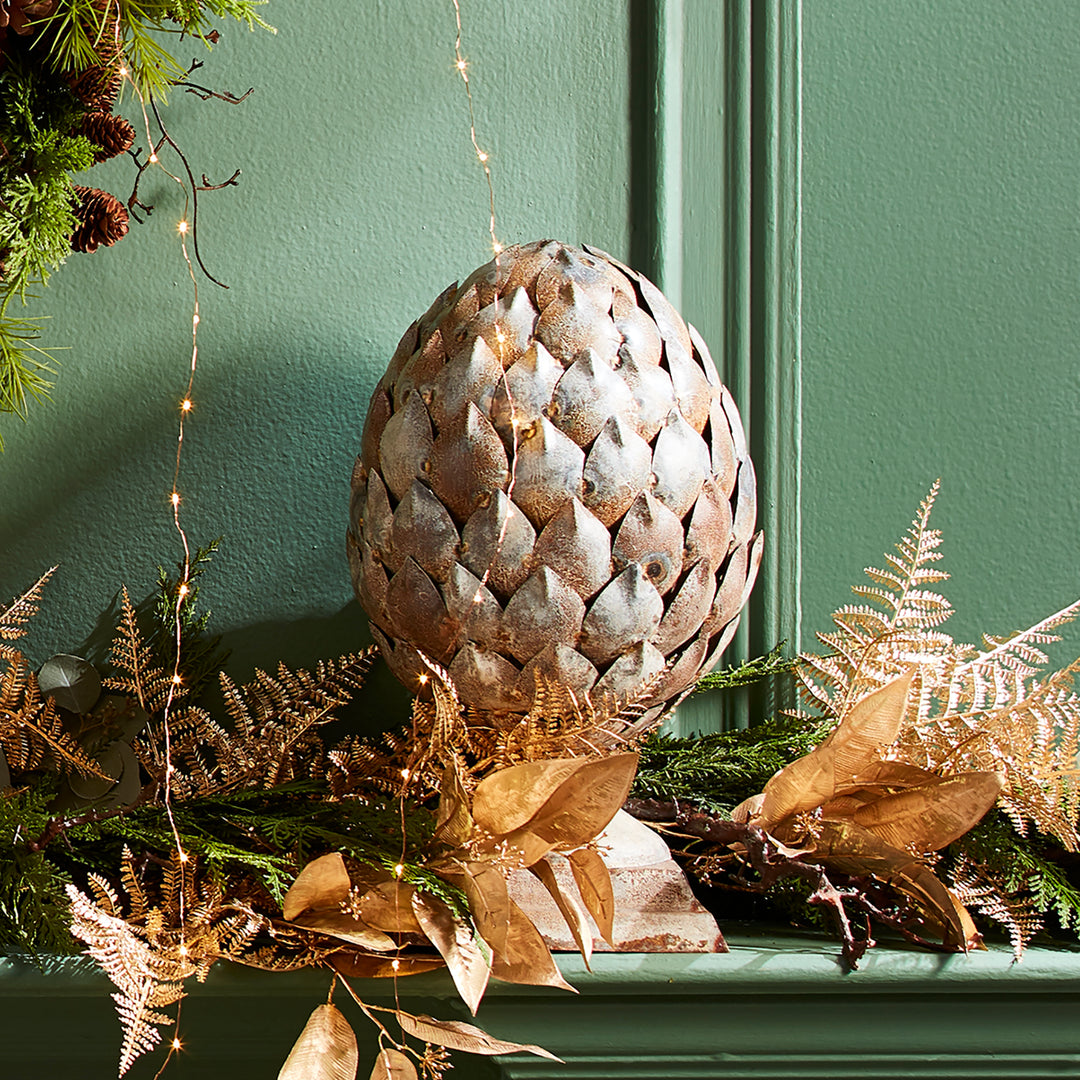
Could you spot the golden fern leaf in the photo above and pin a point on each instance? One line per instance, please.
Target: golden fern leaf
(15, 616)
(141, 677)
(32, 735)
(977, 886)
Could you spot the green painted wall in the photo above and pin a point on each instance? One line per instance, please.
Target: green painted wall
(360, 201)
(941, 267)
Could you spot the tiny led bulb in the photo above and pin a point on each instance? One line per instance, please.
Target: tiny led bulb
(153, 159)
(399, 870)
(183, 590)
(461, 65)
(482, 155)
(176, 680)
(395, 963)
(175, 498)
(182, 950)
(405, 774)
(176, 1044)
(186, 405)
(422, 678)
(123, 72)
(195, 320)
(181, 227)
(497, 248)
(183, 856)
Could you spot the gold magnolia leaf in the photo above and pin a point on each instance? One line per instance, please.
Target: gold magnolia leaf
(584, 804)
(571, 910)
(323, 883)
(340, 924)
(931, 817)
(851, 849)
(389, 907)
(489, 903)
(365, 966)
(509, 798)
(392, 1064)
(891, 774)
(457, 1035)
(594, 883)
(326, 1049)
(867, 728)
(526, 958)
(454, 824)
(468, 961)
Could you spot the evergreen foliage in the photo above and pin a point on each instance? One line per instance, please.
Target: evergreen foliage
(716, 772)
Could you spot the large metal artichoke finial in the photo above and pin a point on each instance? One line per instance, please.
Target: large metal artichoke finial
(552, 480)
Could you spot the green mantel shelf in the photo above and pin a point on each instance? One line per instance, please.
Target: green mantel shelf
(776, 1006)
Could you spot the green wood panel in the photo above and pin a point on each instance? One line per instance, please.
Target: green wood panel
(941, 260)
(778, 1008)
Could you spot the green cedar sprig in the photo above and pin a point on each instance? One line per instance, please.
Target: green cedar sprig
(716, 772)
(748, 672)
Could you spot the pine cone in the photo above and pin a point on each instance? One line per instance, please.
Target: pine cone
(97, 87)
(102, 220)
(110, 134)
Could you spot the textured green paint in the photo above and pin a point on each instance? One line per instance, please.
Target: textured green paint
(360, 201)
(774, 1007)
(941, 265)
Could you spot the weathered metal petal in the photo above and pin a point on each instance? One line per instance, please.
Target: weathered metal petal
(616, 471)
(635, 666)
(405, 446)
(379, 412)
(378, 519)
(680, 464)
(439, 307)
(626, 612)
(470, 376)
(473, 607)
(574, 321)
(417, 612)
(468, 463)
(485, 679)
(587, 394)
(693, 392)
(577, 547)
(678, 680)
(506, 325)
(497, 545)
(668, 322)
(745, 503)
(402, 659)
(421, 369)
(560, 664)
(595, 277)
(641, 339)
(709, 535)
(545, 609)
(650, 537)
(728, 600)
(405, 348)
(725, 464)
(490, 280)
(738, 436)
(704, 357)
(526, 391)
(424, 531)
(529, 263)
(454, 324)
(549, 471)
(719, 644)
(686, 613)
(372, 584)
(652, 392)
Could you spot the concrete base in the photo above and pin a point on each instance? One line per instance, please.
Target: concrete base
(655, 910)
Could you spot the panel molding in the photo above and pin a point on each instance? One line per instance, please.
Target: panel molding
(716, 222)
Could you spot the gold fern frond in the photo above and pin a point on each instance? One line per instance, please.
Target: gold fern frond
(15, 615)
(977, 886)
(140, 676)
